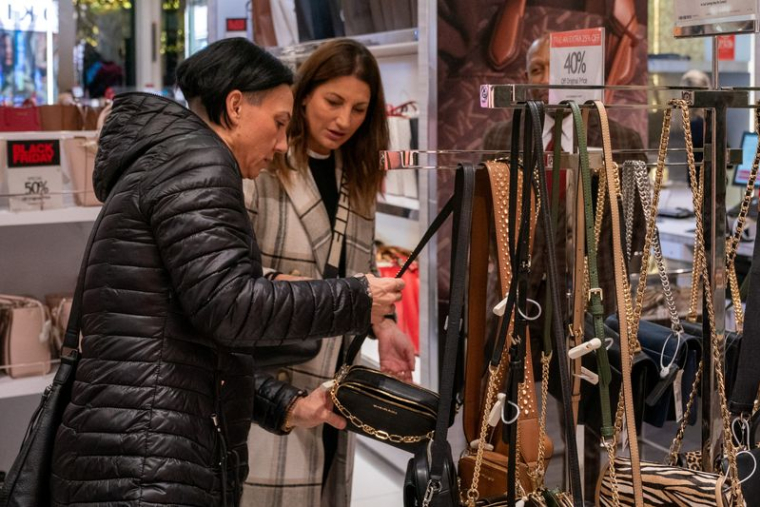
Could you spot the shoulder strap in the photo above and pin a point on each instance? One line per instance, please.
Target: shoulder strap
(560, 342)
(595, 292)
(356, 343)
(463, 193)
(332, 264)
(476, 306)
(70, 348)
(622, 296)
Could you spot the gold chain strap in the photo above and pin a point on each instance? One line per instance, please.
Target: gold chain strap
(494, 379)
(537, 474)
(366, 428)
(733, 241)
(675, 447)
(728, 443)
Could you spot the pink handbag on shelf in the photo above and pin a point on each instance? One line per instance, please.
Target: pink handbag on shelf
(24, 336)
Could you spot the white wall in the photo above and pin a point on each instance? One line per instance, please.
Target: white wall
(219, 11)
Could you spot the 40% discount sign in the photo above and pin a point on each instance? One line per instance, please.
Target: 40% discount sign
(576, 58)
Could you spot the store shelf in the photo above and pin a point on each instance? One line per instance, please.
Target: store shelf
(399, 206)
(382, 45)
(50, 216)
(672, 66)
(28, 386)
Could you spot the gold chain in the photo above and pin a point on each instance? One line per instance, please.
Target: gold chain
(733, 241)
(728, 443)
(675, 447)
(537, 474)
(494, 379)
(369, 430)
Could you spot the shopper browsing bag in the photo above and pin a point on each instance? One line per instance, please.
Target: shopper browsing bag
(174, 299)
(313, 213)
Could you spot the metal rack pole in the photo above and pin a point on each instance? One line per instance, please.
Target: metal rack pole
(717, 103)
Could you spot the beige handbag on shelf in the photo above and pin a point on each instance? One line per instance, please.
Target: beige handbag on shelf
(80, 152)
(25, 336)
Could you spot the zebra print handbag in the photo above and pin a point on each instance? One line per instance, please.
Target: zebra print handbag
(664, 485)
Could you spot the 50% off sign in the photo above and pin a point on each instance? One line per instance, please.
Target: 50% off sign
(576, 58)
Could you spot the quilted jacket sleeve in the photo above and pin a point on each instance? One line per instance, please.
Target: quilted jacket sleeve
(194, 204)
(273, 398)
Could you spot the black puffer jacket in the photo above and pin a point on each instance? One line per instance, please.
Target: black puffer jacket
(174, 302)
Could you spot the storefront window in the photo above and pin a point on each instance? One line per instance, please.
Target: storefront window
(105, 59)
(172, 39)
(28, 33)
(196, 20)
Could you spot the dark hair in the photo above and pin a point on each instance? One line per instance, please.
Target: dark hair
(227, 65)
(361, 153)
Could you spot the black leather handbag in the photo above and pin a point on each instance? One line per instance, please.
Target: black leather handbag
(431, 478)
(382, 407)
(418, 486)
(27, 483)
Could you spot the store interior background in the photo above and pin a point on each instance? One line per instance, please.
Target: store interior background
(46, 47)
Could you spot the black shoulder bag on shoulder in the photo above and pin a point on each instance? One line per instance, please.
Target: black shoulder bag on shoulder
(28, 481)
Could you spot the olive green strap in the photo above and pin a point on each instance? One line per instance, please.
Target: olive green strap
(596, 306)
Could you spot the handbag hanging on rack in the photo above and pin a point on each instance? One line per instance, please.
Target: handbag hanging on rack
(487, 455)
(537, 494)
(431, 474)
(27, 483)
(367, 397)
(627, 482)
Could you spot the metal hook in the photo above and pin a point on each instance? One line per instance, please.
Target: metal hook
(531, 319)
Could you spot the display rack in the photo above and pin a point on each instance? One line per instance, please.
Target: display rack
(716, 102)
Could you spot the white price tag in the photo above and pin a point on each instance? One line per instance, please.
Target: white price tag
(678, 395)
(698, 12)
(35, 179)
(576, 58)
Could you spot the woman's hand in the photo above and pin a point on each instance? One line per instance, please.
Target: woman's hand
(385, 293)
(315, 409)
(396, 350)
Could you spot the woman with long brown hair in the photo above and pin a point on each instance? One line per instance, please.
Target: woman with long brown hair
(313, 213)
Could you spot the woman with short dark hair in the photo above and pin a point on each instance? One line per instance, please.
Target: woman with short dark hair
(329, 179)
(175, 301)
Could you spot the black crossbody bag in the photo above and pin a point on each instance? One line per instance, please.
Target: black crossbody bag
(28, 481)
(431, 478)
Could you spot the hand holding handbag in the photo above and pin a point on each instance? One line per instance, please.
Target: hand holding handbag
(385, 408)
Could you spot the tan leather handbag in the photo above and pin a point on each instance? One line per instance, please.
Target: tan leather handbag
(25, 336)
(80, 152)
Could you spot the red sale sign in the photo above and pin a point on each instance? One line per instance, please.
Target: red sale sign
(726, 47)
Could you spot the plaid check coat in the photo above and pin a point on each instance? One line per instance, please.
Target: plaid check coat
(293, 231)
